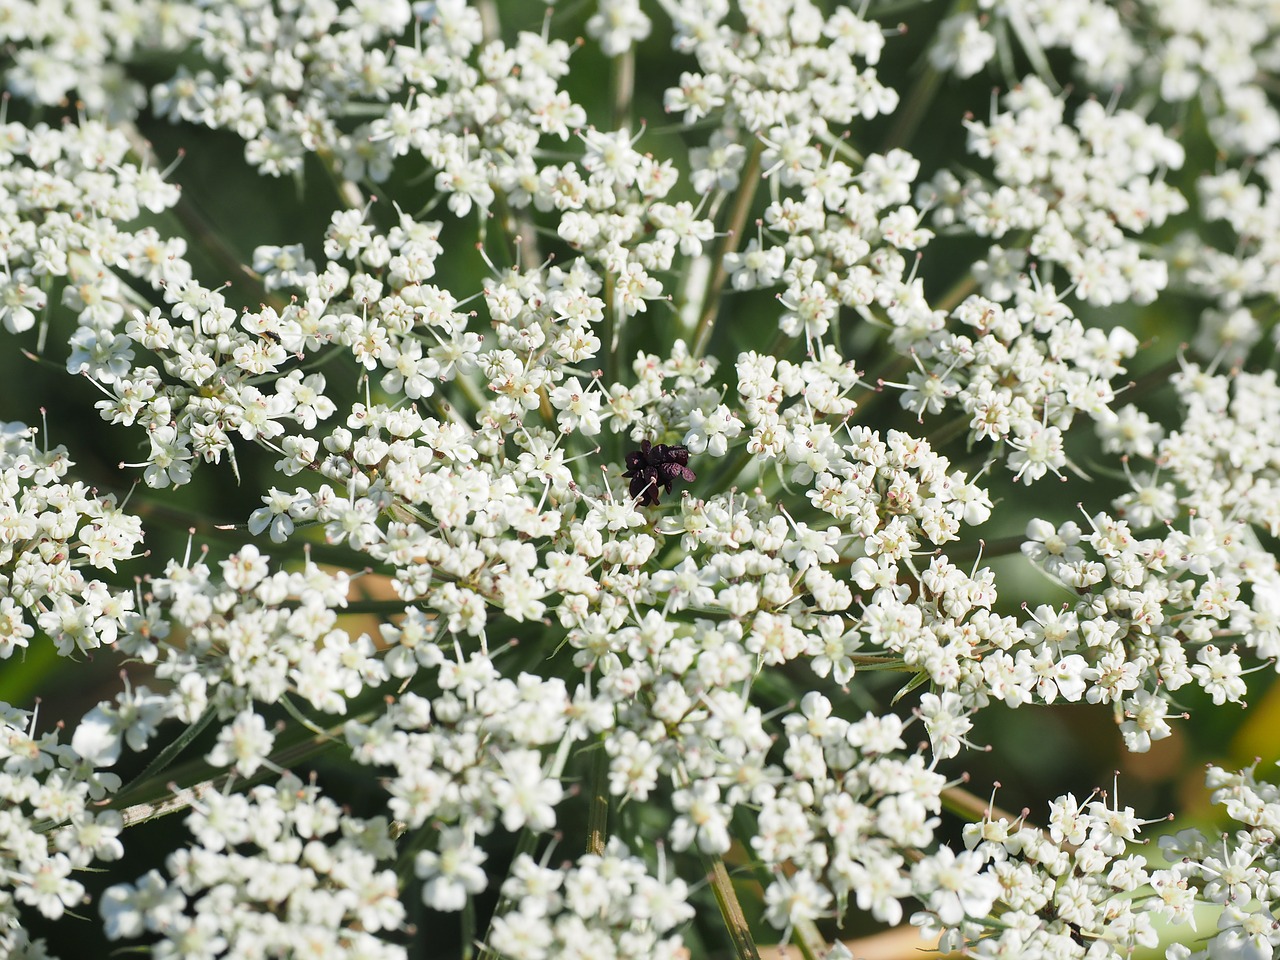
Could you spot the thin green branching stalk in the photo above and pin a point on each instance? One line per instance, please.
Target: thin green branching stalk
(1152, 380)
(841, 146)
(490, 25)
(808, 940)
(889, 373)
(520, 232)
(955, 427)
(169, 796)
(609, 329)
(568, 11)
(528, 840)
(468, 928)
(735, 921)
(624, 88)
(730, 471)
(39, 359)
(874, 664)
(913, 109)
(973, 808)
(205, 238)
(409, 850)
(525, 846)
(175, 802)
(377, 607)
(729, 244)
(170, 753)
(1002, 547)
(598, 809)
(347, 190)
(956, 294)
(1030, 46)
(291, 708)
(892, 9)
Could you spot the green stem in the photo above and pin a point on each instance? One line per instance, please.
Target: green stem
(885, 10)
(173, 802)
(205, 236)
(810, 942)
(1005, 546)
(170, 753)
(490, 26)
(598, 811)
(955, 427)
(409, 852)
(730, 471)
(39, 359)
(210, 528)
(568, 11)
(744, 947)
(174, 798)
(887, 374)
(957, 294)
(520, 232)
(525, 845)
(528, 840)
(471, 393)
(914, 109)
(896, 666)
(348, 191)
(609, 332)
(737, 222)
(292, 709)
(971, 807)
(468, 928)
(502, 215)
(1154, 379)
(624, 88)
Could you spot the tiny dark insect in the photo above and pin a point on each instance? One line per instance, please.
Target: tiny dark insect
(654, 466)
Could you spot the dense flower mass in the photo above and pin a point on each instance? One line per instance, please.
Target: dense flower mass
(600, 470)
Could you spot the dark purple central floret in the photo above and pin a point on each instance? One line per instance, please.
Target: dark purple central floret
(653, 466)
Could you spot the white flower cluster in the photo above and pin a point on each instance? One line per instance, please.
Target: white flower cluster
(67, 192)
(52, 825)
(1242, 283)
(51, 528)
(689, 635)
(1202, 583)
(313, 65)
(1073, 891)
(849, 811)
(1205, 579)
(1234, 871)
(607, 906)
(1078, 889)
(787, 65)
(1015, 358)
(1103, 49)
(281, 870)
(489, 731)
(61, 47)
(1067, 192)
(1221, 54)
(251, 635)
